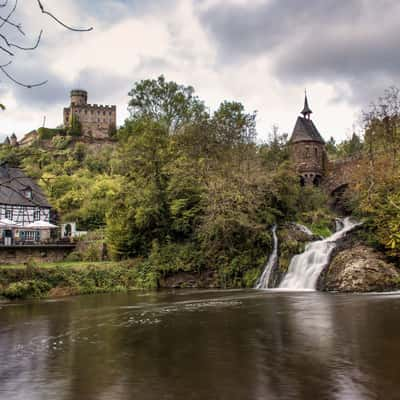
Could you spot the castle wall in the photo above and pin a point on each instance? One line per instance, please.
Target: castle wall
(96, 121)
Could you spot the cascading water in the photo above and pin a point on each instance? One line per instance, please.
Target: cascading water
(304, 229)
(339, 224)
(273, 259)
(305, 269)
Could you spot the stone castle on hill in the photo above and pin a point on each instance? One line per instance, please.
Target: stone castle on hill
(96, 121)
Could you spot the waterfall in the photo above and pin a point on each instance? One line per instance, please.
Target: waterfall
(266, 275)
(339, 224)
(304, 229)
(305, 269)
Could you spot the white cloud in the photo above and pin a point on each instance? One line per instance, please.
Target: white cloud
(165, 40)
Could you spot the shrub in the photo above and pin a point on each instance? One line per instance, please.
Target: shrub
(25, 289)
(47, 133)
(74, 257)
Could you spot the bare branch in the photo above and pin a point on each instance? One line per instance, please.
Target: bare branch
(7, 20)
(35, 46)
(6, 51)
(9, 76)
(60, 22)
(7, 48)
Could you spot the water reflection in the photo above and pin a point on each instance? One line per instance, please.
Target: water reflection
(201, 345)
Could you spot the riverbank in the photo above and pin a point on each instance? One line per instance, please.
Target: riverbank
(66, 279)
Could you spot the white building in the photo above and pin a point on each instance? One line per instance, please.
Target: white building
(22, 203)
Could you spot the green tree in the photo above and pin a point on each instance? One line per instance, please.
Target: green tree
(166, 102)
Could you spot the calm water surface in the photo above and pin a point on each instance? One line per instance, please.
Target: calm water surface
(202, 345)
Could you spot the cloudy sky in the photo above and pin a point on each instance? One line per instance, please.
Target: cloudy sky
(263, 53)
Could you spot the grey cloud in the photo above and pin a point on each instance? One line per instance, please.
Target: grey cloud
(242, 30)
(101, 87)
(326, 41)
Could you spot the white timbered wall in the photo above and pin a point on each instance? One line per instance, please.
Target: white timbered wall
(24, 215)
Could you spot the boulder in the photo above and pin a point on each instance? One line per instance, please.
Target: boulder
(361, 269)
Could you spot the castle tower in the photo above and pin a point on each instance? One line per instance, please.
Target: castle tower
(79, 97)
(97, 122)
(307, 149)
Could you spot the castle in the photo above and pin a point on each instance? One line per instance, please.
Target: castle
(96, 121)
(307, 149)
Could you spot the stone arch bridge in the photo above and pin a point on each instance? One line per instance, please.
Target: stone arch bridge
(340, 175)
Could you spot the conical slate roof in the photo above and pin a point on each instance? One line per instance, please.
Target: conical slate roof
(306, 131)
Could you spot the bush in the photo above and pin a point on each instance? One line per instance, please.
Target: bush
(74, 257)
(25, 289)
(47, 133)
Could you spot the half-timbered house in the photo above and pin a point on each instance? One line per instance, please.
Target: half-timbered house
(22, 204)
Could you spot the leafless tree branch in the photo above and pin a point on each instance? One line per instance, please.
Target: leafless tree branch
(60, 22)
(16, 81)
(6, 48)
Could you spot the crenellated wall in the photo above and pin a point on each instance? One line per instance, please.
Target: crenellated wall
(97, 121)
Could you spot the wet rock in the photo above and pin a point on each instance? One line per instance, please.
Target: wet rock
(360, 269)
(180, 280)
(292, 240)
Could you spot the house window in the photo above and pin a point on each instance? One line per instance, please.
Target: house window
(28, 194)
(36, 215)
(9, 214)
(30, 235)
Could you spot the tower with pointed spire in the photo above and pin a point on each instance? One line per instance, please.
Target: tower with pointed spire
(307, 149)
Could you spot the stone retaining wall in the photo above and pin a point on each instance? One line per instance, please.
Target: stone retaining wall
(20, 255)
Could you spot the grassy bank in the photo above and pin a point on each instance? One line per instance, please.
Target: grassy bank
(65, 279)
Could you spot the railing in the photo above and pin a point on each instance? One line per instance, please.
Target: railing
(40, 243)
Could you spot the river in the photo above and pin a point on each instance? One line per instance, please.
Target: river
(202, 345)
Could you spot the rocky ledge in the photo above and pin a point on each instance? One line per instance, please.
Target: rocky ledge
(361, 269)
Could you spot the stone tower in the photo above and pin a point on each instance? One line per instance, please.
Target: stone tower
(96, 121)
(307, 149)
(79, 97)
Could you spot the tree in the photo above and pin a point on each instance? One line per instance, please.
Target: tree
(166, 102)
(382, 125)
(276, 150)
(331, 147)
(233, 125)
(8, 26)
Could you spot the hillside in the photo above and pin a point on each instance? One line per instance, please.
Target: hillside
(191, 192)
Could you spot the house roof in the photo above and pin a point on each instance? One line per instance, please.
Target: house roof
(13, 186)
(305, 131)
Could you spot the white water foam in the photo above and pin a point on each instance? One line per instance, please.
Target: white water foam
(263, 282)
(304, 229)
(305, 269)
